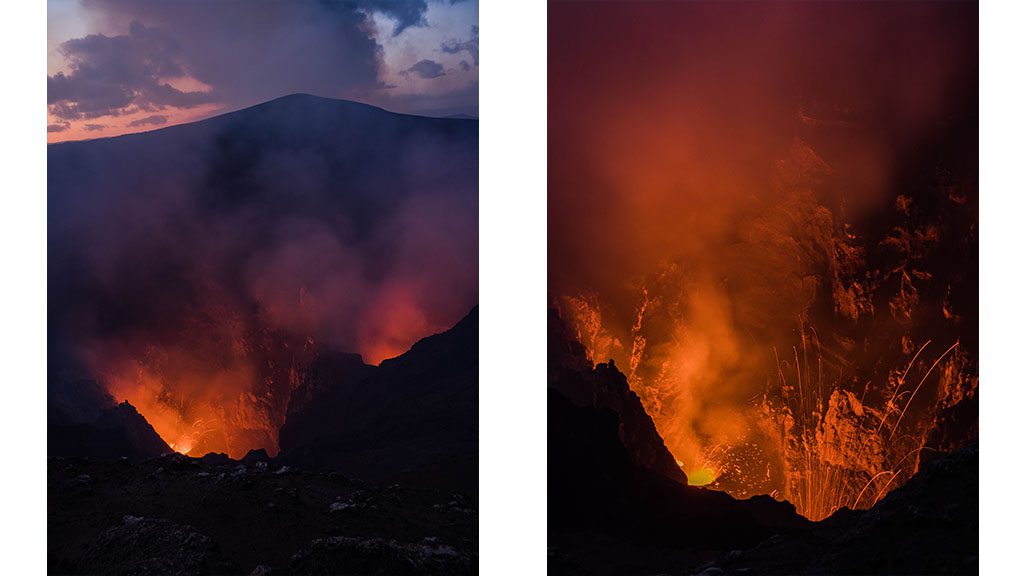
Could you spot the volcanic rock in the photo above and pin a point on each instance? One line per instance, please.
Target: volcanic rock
(955, 428)
(413, 419)
(609, 515)
(604, 386)
(365, 556)
(154, 547)
(84, 421)
(215, 459)
(191, 523)
(254, 456)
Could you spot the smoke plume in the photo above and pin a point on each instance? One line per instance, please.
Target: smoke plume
(739, 193)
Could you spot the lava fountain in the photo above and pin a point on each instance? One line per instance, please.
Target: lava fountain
(815, 436)
(779, 244)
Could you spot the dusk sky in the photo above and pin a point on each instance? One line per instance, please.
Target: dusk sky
(122, 66)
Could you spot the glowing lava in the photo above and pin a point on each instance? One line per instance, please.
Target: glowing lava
(814, 437)
(701, 476)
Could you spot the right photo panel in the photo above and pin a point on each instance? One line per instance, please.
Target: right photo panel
(762, 287)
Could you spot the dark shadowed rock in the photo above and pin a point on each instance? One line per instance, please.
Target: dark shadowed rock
(603, 386)
(154, 547)
(255, 519)
(330, 372)
(955, 428)
(84, 421)
(343, 556)
(594, 487)
(413, 419)
(254, 456)
(215, 459)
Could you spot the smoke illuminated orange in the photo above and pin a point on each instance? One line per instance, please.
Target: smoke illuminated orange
(742, 211)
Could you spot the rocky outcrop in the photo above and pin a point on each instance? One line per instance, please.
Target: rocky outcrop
(413, 419)
(573, 375)
(955, 428)
(83, 420)
(600, 500)
(155, 547)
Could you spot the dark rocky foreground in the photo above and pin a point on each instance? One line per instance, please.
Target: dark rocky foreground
(377, 476)
(175, 515)
(607, 515)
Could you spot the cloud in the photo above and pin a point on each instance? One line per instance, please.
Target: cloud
(319, 47)
(155, 120)
(58, 127)
(114, 75)
(472, 45)
(425, 69)
(94, 127)
(464, 65)
(179, 60)
(406, 13)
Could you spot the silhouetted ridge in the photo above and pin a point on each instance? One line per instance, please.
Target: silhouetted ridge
(413, 418)
(84, 421)
(603, 386)
(594, 486)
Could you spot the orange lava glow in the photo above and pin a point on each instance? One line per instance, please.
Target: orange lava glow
(729, 221)
(193, 422)
(223, 382)
(806, 438)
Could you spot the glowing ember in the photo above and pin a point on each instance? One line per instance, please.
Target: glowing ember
(811, 438)
(763, 242)
(701, 477)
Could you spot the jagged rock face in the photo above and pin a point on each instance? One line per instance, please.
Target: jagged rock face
(84, 421)
(414, 418)
(604, 386)
(598, 496)
(329, 371)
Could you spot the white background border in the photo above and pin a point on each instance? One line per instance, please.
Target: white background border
(513, 287)
(1001, 230)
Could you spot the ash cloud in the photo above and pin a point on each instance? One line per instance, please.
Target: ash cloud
(299, 41)
(176, 59)
(111, 76)
(426, 69)
(472, 46)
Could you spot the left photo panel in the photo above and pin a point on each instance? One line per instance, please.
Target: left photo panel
(262, 287)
